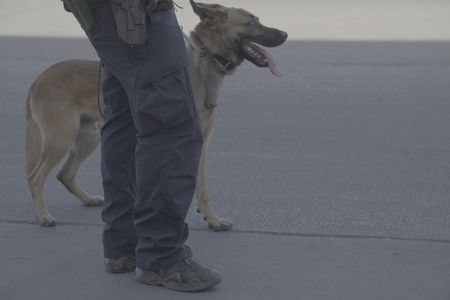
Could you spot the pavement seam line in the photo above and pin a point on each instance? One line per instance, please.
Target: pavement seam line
(260, 232)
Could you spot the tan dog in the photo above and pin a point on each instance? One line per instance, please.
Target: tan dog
(63, 118)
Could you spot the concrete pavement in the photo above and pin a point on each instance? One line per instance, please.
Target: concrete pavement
(64, 263)
(336, 176)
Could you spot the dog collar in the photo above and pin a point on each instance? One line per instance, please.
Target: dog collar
(221, 63)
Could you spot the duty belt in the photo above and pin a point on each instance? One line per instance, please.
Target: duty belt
(130, 16)
(161, 5)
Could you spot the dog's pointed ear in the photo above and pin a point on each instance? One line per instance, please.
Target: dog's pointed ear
(209, 12)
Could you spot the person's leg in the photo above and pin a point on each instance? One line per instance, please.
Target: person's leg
(168, 133)
(167, 157)
(168, 145)
(118, 140)
(167, 151)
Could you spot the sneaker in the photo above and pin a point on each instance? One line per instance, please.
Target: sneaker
(124, 264)
(127, 264)
(183, 276)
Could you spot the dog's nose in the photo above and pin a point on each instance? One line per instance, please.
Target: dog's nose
(284, 34)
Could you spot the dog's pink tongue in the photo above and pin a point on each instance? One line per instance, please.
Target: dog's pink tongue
(272, 65)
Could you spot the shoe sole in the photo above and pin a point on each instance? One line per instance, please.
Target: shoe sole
(154, 279)
(119, 271)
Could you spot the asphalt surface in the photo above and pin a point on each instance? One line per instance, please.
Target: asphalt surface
(337, 177)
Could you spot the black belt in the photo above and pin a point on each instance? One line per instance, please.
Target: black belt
(162, 4)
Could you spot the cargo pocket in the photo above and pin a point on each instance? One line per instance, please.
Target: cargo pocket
(166, 105)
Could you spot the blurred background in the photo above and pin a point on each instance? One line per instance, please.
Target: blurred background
(303, 19)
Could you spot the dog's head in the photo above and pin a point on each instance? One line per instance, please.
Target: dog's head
(233, 34)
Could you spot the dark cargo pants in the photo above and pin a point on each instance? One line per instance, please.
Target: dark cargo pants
(150, 142)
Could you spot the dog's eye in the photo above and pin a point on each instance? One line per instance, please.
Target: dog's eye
(252, 23)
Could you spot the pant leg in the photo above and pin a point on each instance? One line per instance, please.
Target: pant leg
(118, 141)
(167, 158)
(169, 142)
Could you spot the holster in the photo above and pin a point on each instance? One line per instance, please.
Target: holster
(131, 17)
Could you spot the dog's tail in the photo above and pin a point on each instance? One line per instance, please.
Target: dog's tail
(33, 139)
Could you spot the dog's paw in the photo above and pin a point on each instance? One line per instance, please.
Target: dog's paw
(219, 224)
(46, 220)
(94, 201)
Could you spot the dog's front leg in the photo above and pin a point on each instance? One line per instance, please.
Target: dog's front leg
(214, 222)
(203, 208)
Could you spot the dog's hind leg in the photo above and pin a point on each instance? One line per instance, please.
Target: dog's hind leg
(85, 143)
(56, 144)
(33, 141)
(34, 174)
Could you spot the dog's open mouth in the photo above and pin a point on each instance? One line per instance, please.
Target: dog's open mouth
(260, 58)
